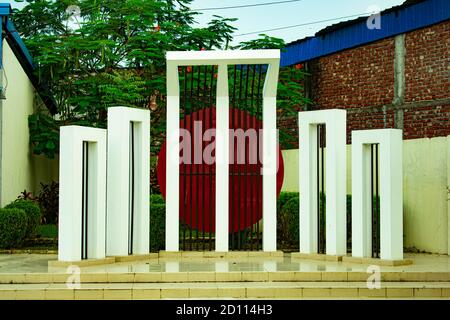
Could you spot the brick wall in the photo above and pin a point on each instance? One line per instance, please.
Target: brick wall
(361, 80)
(427, 67)
(358, 77)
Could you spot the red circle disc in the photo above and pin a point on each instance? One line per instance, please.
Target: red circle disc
(197, 178)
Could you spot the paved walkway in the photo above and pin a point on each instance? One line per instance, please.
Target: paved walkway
(38, 263)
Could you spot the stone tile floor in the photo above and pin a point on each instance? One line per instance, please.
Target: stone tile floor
(38, 263)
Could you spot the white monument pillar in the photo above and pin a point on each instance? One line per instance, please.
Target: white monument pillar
(270, 157)
(223, 59)
(391, 193)
(335, 175)
(82, 193)
(128, 215)
(222, 158)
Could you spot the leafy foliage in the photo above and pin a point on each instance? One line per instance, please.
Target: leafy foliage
(33, 214)
(157, 226)
(156, 199)
(49, 202)
(13, 227)
(285, 197)
(288, 222)
(111, 53)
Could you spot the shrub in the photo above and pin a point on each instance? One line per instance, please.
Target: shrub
(13, 227)
(290, 216)
(49, 201)
(32, 211)
(157, 226)
(285, 197)
(156, 199)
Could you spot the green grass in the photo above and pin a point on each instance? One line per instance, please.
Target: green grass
(47, 231)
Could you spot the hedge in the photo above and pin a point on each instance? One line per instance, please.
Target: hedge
(13, 227)
(289, 216)
(32, 211)
(156, 199)
(157, 226)
(284, 197)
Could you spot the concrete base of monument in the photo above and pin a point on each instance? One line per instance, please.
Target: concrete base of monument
(218, 254)
(81, 263)
(136, 257)
(378, 262)
(315, 256)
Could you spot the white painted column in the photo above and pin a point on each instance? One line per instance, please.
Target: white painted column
(361, 195)
(71, 191)
(118, 197)
(222, 159)
(391, 196)
(391, 193)
(308, 186)
(335, 177)
(270, 157)
(335, 171)
(172, 158)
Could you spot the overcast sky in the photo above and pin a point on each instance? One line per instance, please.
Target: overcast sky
(253, 19)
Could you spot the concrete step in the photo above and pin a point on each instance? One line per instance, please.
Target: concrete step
(241, 276)
(228, 290)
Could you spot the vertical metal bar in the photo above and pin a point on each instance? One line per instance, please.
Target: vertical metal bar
(211, 174)
(84, 220)
(233, 166)
(198, 166)
(239, 173)
(247, 170)
(319, 243)
(258, 116)
(191, 177)
(259, 189)
(377, 211)
(131, 197)
(253, 176)
(183, 195)
(203, 164)
(322, 196)
(371, 200)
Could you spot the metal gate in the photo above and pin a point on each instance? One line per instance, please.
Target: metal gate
(197, 172)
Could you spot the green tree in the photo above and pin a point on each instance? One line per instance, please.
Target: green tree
(290, 94)
(93, 54)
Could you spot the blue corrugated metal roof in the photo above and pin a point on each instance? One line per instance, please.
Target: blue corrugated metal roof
(5, 9)
(393, 22)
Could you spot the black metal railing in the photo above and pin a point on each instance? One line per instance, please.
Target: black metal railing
(197, 181)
